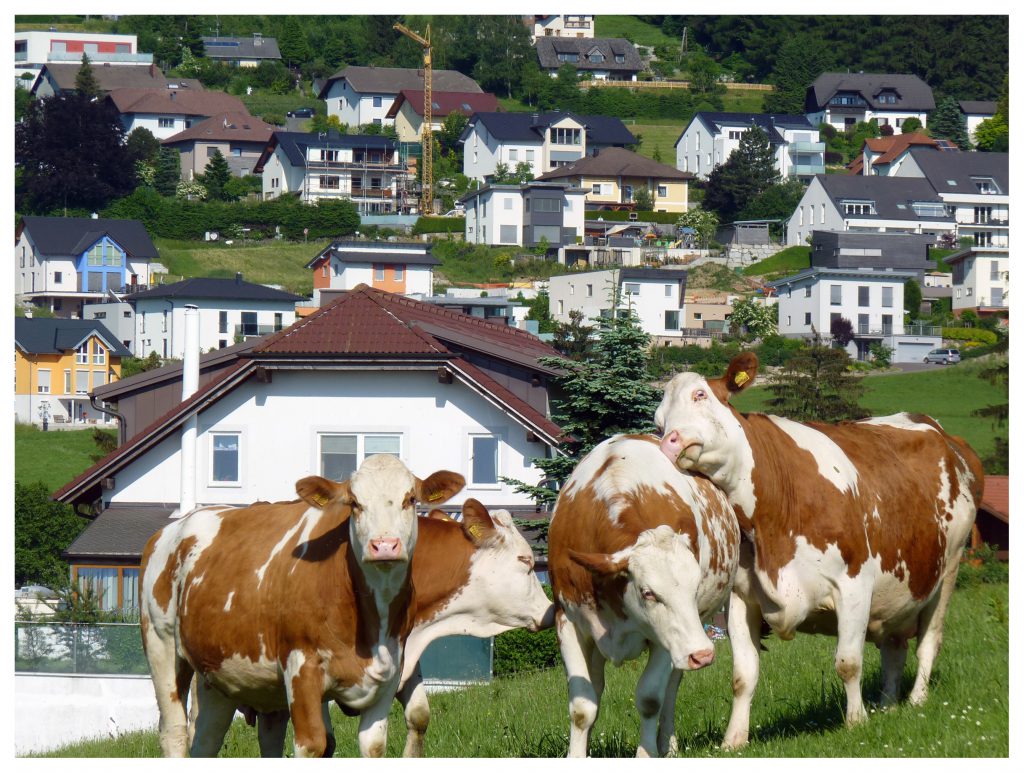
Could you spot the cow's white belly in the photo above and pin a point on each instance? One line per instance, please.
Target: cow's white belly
(618, 640)
(380, 679)
(259, 683)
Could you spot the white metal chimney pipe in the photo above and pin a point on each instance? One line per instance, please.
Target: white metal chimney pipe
(189, 431)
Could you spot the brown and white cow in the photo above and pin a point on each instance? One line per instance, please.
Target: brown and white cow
(856, 528)
(283, 606)
(474, 577)
(639, 553)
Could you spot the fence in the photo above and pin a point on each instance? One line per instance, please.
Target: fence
(76, 648)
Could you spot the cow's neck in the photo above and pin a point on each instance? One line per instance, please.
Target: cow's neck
(383, 594)
(734, 472)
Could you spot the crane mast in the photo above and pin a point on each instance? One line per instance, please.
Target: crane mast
(426, 134)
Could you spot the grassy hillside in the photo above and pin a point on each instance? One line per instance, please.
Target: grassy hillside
(787, 261)
(797, 710)
(52, 457)
(631, 28)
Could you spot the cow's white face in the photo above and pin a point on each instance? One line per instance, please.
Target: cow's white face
(663, 576)
(503, 590)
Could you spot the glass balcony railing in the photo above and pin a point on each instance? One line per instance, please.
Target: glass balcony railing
(807, 147)
(798, 170)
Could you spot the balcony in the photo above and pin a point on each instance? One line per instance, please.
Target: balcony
(372, 193)
(100, 58)
(922, 330)
(878, 330)
(244, 331)
(806, 170)
(807, 147)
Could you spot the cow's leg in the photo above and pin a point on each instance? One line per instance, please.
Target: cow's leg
(413, 697)
(373, 726)
(894, 658)
(271, 729)
(171, 676)
(929, 637)
(745, 637)
(193, 709)
(332, 744)
(650, 696)
(212, 721)
(303, 680)
(667, 743)
(852, 611)
(578, 654)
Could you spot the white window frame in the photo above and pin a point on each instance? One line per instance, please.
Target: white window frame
(82, 354)
(498, 437)
(360, 435)
(211, 449)
(99, 354)
(41, 388)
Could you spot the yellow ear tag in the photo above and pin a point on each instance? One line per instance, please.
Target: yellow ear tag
(320, 499)
(475, 531)
(741, 378)
(435, 496)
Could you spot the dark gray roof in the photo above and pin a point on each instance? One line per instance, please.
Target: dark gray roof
(296, 145)
(869, 273)
(530, 127)
(888, 193)
(120, 532)
(108, 76)
(240, 48)
(914, 93)
(42, 335)
(548, 50)
(74, 235)
(952, 172)
(397, 253)
(977, 107)
(209, 287)
(391, 80)
(767, 121)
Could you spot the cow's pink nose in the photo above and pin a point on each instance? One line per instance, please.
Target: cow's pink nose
(672, 445)
(385, 548)
(701, 658)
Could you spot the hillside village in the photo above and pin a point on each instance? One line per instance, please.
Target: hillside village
(403, 242)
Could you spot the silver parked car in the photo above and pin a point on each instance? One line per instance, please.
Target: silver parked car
(943, 356)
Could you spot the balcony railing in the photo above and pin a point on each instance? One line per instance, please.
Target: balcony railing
(868, 330)
(922, 330)
(373, 193)
(251, 331)
(806, 169)
(807, 147)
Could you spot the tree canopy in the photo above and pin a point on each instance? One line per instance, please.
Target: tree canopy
(747, 173)
(948, 122)
(815, 385)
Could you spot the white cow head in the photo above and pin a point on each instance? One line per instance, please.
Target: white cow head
(699, 429)
(503, 591)
(662, 577)
(381, 497)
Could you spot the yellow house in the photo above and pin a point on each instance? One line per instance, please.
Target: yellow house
(57, 363)
(407, 109)
(613, 176)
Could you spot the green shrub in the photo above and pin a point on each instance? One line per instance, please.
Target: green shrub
(776, 349)
(439, 225)
(981, 567)
(969, 334)
(710, 361)
(520, 651)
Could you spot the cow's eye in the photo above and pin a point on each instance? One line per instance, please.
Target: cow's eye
(649, 595)
(528, 560)
(700, 394)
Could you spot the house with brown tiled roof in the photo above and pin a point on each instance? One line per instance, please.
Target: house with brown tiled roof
(59, 77)
(168, 110)
(992, 525)
(407, 109)
(370, 373)
(882, 156)
(240, 138)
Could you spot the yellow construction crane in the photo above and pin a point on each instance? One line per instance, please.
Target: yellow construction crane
(427, 134)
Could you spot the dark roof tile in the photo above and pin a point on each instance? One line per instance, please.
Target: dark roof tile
(208, 287)
(54, 335)
(62, 236)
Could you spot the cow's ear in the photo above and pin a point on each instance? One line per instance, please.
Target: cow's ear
(439, 487)
(319, 492)
(738, 376)
(476, 522)
(599, 563)
(438, 515)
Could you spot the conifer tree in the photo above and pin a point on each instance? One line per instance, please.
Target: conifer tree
(168, 171)
(747, 173)
(85, 82)
(215, 177)
(815, 385)
(948, 122)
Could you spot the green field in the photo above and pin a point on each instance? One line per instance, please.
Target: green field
(787, 261)
(631, 28)
(797, 711)
(52, 457)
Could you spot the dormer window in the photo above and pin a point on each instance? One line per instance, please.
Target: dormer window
(568, 57)
(620, 58)
(595, 56)
(887, 98)
(858, 207)
(848, 98)
(929, 208)
(985, 185)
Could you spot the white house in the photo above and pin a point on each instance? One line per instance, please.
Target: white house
(171, 109)
(710, 138)
(364, 95)
(561, 26)
(545, 141)
(242, 52)
(845, 99)
(229, 310)
(981, 280)
(976, 111)
(525, 214)
(655, 294)
(870, 299)
(884, 155)
(369, 373)
(367, 169)
(35, 48)
(836, 202)
(600, 59)
(405, 268)
(62, 263)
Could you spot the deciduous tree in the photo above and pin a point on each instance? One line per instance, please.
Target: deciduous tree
(42, 530)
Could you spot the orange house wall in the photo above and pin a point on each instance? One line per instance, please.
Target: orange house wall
(390, 284)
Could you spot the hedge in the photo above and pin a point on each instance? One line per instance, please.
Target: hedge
(439, 225)
(521, 651)
(173, 218)
(969, 334)
(666, 218)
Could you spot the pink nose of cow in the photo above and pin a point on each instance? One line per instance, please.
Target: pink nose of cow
(701, 659)
(678, 450)
(385, 549)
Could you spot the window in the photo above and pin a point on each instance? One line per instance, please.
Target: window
(508, 203)
(859, 207)
(224, 448)
(807, 318)
(330, 182)
(863, 296)
(564, 136)
(997, 296)
(58, 277)
(211, 151)
(249, 326)
(99, 378)
(620, 59)
(985, 185)
(99, 354)
(222, 322)
(165, 123)
(662, 191)
(278, 321)
(163, 322)
(807, 291)
(735, 134)
(43, 382)
(983, 239)
(378, 273)
(81, 382)
(341, 455)
(399, 273)
(484, 460)
(328, 155)
(887, 324)
(863, 323)
(507, 234)
(67, 382)
(668, 290)
(377, 101)
(376, 122)
(547, 205)
(95, 255)
(887, 297)
(994, 273)
(561, 307)
(836, 295)
(982, 214)
(671, 320)
(101, 583)
(513, 154)
(590, 291)
(82, 354)
(529, 156)
(631, 288)
(596, 57)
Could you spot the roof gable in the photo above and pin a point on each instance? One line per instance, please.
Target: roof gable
(65, 236)
(41, 335)
(915, 93)
(589, 54)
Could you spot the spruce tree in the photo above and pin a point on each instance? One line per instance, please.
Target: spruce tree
(215, 177)
(747, 173)
(85, 82)
(168, 171)
(815, 385)
(948, 122)
(294, 45)
(801, 59)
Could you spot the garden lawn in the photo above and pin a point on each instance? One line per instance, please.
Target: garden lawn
(797, 710)
(787, 261)
(633, 29)
(53, 457)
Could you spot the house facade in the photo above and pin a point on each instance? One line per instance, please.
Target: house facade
(846, 99)
(405, 268)
(870, 299)
(370, 373)
(57, 364)
(62, 263)
(869, 205)
(524, 214)
(710, 138)
(602, 59)
(613, 176)
(230, 310)
(364, 95)
(240, 138)
(168, 111)
(845, 249)
(366, 169)
(976, 111)
(242, 52)
(657, 296)
(407, 110)
(883, 156)
(981, 280)
(35, 48)
(545, 141)
(561, 26)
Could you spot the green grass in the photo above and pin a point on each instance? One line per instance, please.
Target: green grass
(948, 394)
(633, 29)
(261, 103)
(277, 262)
(797, 711)
(52, 457)
(787, 261)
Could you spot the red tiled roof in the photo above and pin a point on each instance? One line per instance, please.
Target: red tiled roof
(175, 101)
(446, 102)
(890, 148)
(996, 498)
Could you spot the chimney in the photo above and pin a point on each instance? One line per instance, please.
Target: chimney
(238, 277)
(190, 429)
